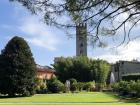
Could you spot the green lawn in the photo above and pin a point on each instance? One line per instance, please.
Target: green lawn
(75, 104)
(70, 97)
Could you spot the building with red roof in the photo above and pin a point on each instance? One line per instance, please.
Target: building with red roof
(45, 72)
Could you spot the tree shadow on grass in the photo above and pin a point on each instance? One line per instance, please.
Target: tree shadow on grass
(125, 99)
(16, 96)
(130, 99)
(114, 95)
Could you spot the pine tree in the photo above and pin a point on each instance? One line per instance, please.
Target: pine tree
(17, 69)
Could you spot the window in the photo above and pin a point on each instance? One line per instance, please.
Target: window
(81, 45)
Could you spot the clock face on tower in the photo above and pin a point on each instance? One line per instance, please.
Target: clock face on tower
(81, 40)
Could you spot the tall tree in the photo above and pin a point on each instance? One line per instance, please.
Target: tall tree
(100, 15)
(82, 69)
(17, 69)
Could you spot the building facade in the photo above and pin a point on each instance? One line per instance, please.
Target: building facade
(122, 68)
(81, 40)
(45, 72)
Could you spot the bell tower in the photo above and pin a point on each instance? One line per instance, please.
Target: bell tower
(81, 40)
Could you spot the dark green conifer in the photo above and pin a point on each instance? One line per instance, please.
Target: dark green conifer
(17, 69)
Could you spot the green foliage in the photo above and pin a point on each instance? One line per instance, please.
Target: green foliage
(131, 88)
(82, 69)
(72, 81)
(89, 86)
(73, 84)
(108, 77)
(101, 69)
(115, 87)
(63, 68)
(17, 69)
(55, 86)
(80, 86)
(136, 88)
(99, 15)
(124, 87)
(40, 86)
(100, 86)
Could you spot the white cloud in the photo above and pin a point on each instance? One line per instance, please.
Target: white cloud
(33, 29)
(42, 43)
(38, 33)
(124, 52)
(129, 52)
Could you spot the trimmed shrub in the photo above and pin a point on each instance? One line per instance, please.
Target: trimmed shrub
(129, 88)
(115, 87)
(100, 86)
(89, 86)
(73, 84)
(55, 86)
(136, 88)
(124, 87)
(80, 86)
(41, 87)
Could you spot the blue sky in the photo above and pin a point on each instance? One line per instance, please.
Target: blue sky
(49, 42)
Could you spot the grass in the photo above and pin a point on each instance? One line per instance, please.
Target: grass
(104, 98)
(67, 97)
(76, 104)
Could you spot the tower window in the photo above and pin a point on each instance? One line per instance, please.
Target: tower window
(81, 45)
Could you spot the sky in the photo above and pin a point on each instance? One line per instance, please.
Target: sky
(48, 42)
